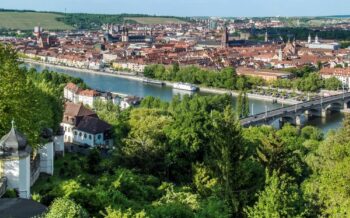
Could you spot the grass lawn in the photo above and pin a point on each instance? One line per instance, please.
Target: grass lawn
(155, 20)
(27, 21)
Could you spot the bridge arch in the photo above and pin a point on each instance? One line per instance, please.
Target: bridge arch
(334, 107)
(347, 104)
(288, 119)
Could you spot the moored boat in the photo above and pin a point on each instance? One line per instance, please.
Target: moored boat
(185, 86)
(152, 81)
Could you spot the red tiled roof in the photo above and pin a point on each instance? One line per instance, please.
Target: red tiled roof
(335, 71)
(77, 110)
(72, 87)
(89, 92)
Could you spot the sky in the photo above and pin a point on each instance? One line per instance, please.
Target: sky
(225, 8)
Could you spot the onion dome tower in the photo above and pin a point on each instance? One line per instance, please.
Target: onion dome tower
(14, 143)
(15, 162)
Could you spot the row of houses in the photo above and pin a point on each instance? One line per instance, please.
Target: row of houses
(81, 125)
(89, 97)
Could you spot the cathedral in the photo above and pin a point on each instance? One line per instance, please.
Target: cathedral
(291, 49)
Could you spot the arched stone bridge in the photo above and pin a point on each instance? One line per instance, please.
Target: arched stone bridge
(298, 114)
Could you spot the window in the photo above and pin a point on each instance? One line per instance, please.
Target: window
(99, 137)
(85, 135)
(75, 133)
(65, 128)
(80, 134)
(90, 137)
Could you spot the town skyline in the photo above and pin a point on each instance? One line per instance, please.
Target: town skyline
(219, 8)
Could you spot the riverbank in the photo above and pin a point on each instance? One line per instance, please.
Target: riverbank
(131, 76)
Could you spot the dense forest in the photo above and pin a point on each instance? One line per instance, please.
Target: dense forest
(191, 158)
(185, 158)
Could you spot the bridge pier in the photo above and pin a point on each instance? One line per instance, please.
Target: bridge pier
(301, 119)
(325, 113)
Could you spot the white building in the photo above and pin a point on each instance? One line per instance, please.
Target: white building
(134, 67)
(342, 74)
(129, 101)
(83, 127)
(88, 97)
(71, 92)
(319, 45)
(77, 95)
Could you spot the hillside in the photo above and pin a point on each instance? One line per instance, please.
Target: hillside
(155, 20)
(27, 20)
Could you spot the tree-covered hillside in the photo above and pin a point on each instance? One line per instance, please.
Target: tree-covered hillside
(184, 158)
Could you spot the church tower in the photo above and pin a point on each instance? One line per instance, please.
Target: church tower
(125, 34)
(110, 29)
(316, 39)
(280, 55)
(224, 39)
(309, 40)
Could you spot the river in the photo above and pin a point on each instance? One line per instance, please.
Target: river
(138, 88)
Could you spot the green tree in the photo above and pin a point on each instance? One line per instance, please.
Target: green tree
(111, 213)
(242, 105)
(227, 159)
(176, 67)
(145, 145)
(246, 111)
(21, 100)
(65, 208)
(327, 188)
(239, 105)
(280, 198)
(333, 83)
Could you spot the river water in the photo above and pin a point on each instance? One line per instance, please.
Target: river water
(138, 88)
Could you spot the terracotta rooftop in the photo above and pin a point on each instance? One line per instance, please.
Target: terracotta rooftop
(335, 71)
(77, 110)
(89, 93)
(72, 87)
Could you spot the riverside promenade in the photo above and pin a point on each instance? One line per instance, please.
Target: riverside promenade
(134, 76)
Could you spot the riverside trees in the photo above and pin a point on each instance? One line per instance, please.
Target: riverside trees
(306, 78)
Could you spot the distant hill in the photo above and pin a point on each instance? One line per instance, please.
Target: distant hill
(156, 20)
(27, 20)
